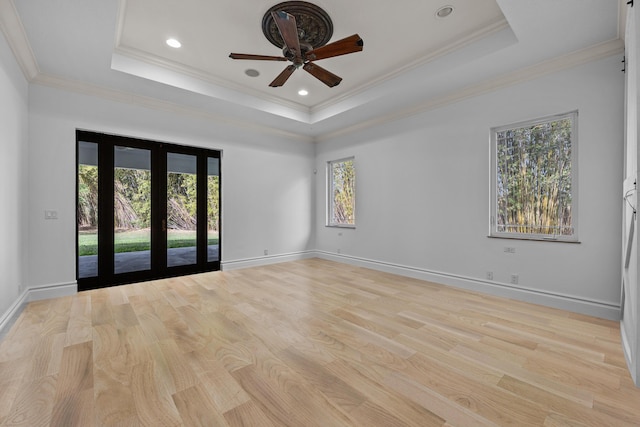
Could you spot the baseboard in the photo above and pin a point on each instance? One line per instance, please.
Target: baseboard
(11, 315)
(576, 304)
(628, 355)
(34, 294)
(265, 260)
(55, 290)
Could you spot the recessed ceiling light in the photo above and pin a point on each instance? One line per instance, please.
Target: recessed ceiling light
(303, 92)
(174, 43)
(251, 72)
(444, 11)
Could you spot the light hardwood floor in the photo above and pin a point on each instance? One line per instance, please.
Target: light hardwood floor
(309, 343)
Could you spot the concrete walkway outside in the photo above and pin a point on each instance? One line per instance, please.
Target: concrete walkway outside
(127, 262)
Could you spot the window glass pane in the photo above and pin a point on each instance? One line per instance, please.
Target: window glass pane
(342, 201)
(213, 209)
(132, 209)
(87, 209)
(534, 179)
(182, 209)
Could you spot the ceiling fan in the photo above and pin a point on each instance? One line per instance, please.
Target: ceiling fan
(302, 45)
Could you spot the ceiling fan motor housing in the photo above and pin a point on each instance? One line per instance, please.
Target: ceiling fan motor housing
(314, 24)
(302, 31)
(300, 60)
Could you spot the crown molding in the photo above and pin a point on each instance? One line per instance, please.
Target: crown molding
(157, 104)
(122, 8)
(622, 18)
(13, 30)
(570, 60)
(583, 56)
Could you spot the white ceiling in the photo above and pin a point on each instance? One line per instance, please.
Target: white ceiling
(411, 60)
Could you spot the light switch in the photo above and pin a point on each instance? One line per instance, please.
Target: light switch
(50, 214)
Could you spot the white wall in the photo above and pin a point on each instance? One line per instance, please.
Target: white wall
(13, 179)
(267, 181)
(629, 324)
(422, 188)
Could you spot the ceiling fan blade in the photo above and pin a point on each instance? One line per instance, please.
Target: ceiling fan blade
(288, 30)
(349, 44)
(258, 57)
(283, 76)
(321, 74)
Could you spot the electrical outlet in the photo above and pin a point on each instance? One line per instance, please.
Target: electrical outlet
(489, 275)
(514, 279)
(338, 251)
(266, 252)
(50, 214)
(509, 250)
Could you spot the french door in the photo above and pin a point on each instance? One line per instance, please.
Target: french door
(145, 210)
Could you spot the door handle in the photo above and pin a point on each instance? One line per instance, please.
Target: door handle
(164, 225)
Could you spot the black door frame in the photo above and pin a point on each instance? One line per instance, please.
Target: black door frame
(159, 150)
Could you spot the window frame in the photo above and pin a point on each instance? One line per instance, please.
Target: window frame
(493, 226)
(330, 190)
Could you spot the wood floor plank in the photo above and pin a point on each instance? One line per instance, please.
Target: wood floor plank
(33, 404)
(44, 356)
(79, 327)
(277, 406)
(8, 391)
(101, 308)
(197, 409)
(154, 406)
(309, 343)
(545, 382)
(73, 402)
(490, 402)
(441, 406)
(557, 404)
(247, 414)
(114, 404)
(181, 372)
(338, 391)
(411, 413)
(124, 316)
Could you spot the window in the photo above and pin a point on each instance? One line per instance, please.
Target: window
(534, 179)
(341, 193)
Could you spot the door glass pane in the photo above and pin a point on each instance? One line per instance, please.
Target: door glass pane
(213, 209)
(182, 208)
(87, 209)
(132, 209)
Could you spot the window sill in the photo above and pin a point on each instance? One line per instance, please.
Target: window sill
(534, 239)
(340, 226)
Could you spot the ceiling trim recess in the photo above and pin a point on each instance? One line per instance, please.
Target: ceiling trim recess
(132, 61)
(13, 30)
(443, 60)
(466, 40)
(570, 60)
(147, 65)
(583, 56)
(138, 55)
(84, 88)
